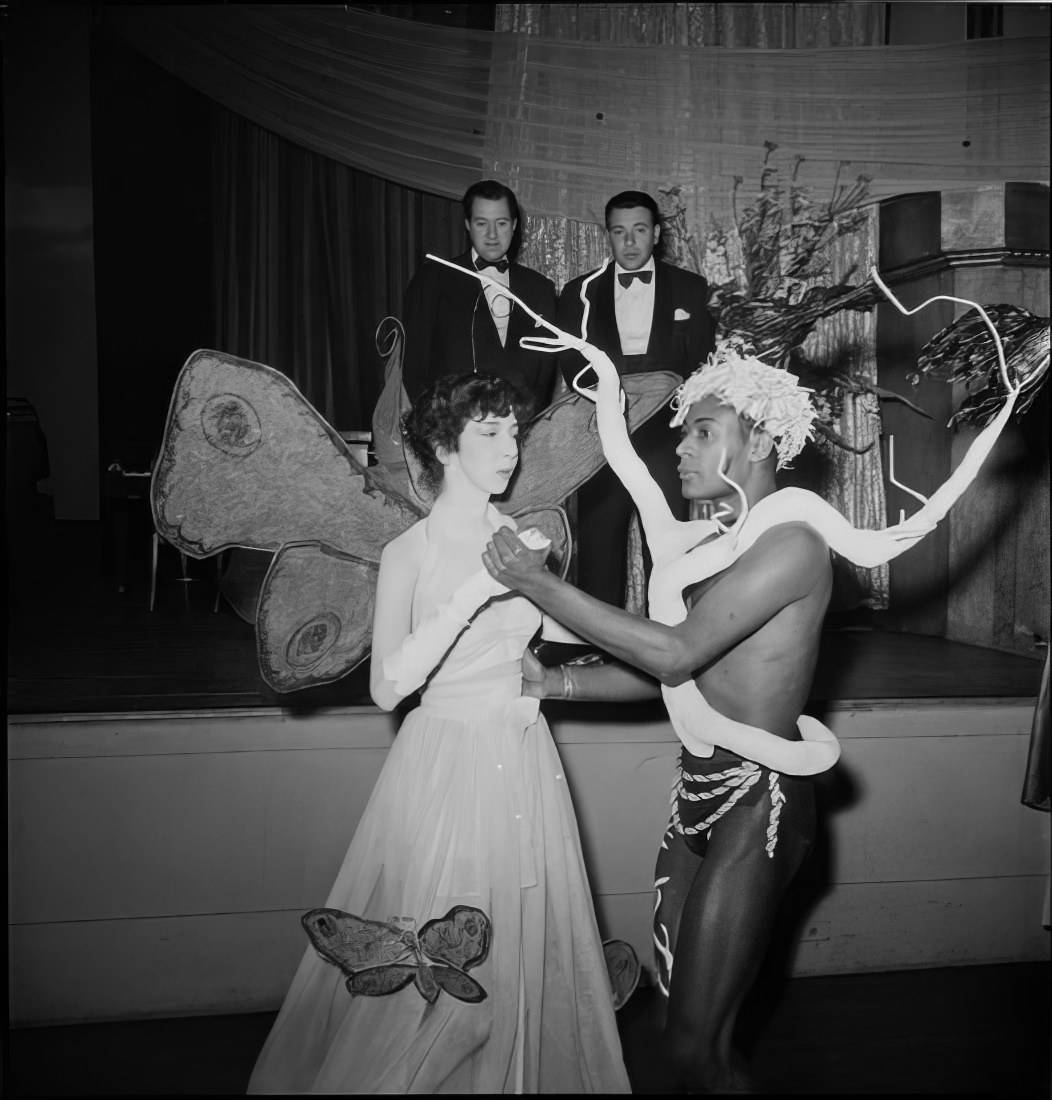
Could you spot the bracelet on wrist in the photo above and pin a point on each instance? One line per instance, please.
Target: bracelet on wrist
(567, 682)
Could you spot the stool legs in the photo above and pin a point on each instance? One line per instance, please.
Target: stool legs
(184, 577)
(153, 569)
(219, 573)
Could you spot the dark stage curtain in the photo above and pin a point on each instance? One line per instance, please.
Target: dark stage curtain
(1039, 762)
(310, 255)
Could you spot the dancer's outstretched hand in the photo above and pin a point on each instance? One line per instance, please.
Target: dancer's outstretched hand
(512, 560)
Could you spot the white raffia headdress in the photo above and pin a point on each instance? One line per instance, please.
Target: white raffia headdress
(769, 396)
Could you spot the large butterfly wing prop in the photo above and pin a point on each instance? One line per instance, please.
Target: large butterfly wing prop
(560, 452)
(246, 461)
(564, 437)
(560, 444)
(248, 465)
(314, 616)
(561, 448)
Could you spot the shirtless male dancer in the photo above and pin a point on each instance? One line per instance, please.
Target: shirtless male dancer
(749, 642)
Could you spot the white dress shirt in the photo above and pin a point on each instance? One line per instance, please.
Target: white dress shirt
(499, 304)
(634, 310)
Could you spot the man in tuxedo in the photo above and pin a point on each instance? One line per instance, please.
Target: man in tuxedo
(454, 324)
(647, 315)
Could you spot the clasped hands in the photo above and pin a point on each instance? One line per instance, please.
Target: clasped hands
(510, 561)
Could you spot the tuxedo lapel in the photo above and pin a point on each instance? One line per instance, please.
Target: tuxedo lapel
(462, 289)
(664, 301)
(520, 323)
(602, 321)
(483, 325)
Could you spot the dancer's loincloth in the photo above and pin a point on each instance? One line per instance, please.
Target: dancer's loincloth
(705, 789)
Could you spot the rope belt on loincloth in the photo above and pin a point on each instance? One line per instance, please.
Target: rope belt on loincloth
(720, 792)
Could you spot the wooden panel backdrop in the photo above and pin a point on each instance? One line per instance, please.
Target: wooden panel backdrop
(982, 577)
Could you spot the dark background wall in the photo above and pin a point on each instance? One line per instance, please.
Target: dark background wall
(151, 160)
(109, 242)
(49, 245)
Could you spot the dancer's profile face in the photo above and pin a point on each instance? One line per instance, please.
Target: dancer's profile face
(632, 235)
(487, 454)
(490, 227)
(709, 432)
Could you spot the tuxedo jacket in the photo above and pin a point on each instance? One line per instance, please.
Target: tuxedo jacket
(682, 333)
(449, 329)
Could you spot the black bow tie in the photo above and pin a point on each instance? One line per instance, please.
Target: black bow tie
(500, 265)
(625, 277)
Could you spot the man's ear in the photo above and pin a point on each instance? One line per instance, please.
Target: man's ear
(761, 444)
(657, 232)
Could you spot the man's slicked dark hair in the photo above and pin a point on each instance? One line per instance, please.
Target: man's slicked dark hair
(626, 200)
(492, 190)
(439, 414)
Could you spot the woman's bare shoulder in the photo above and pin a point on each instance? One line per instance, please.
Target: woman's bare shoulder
(407, 547)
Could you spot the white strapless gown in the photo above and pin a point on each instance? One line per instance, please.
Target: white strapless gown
(471, 808)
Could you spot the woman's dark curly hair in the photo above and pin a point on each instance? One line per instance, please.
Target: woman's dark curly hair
(439, 414)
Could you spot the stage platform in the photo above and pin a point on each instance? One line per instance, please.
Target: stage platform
(170, 818)
(76, 645)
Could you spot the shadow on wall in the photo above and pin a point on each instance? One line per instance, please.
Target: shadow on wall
(27, 468)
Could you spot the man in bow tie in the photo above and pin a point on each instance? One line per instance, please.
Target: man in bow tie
(647, 315)
(454, 325)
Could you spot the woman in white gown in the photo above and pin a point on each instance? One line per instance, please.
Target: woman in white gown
(471, 808)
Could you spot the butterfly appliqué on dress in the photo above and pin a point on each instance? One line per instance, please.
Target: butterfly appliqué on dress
(380, 958)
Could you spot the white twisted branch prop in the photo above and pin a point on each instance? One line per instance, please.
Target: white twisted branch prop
(561, 341)
(680, 562)
(1002, 365)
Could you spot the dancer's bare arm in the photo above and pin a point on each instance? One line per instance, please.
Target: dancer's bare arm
(784, 566)
(610, 682)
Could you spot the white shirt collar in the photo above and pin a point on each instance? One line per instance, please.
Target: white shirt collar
(475, 256)
(648, 266)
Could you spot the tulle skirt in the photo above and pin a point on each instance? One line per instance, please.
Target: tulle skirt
(473, 813)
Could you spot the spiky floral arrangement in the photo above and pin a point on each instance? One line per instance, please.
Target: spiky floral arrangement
(964, 352)
(762, 271)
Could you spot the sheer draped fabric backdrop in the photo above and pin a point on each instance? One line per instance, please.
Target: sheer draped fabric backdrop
(563, 246)
(568, 103)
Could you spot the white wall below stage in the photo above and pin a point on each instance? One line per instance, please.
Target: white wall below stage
(159, 864)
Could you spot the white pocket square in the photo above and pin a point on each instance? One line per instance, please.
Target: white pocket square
(681, 315)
